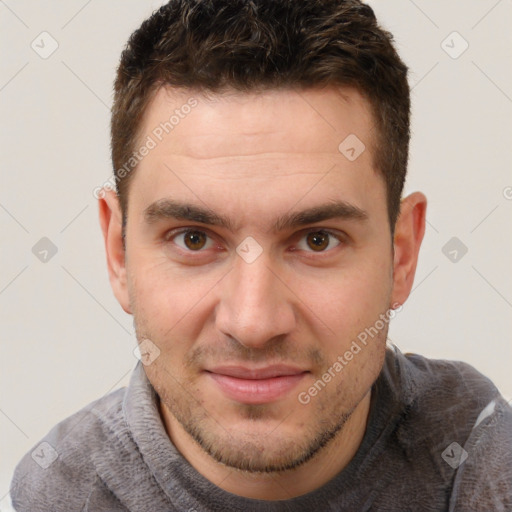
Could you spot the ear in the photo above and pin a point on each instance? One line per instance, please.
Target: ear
(409, 231)
(112, 225)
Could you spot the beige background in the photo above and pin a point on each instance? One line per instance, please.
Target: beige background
(66, 341)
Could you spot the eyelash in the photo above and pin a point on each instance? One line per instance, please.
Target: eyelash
(171, 235)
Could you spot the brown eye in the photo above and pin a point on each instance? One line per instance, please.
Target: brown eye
(194, 240)
(318, 241)
(187, 240)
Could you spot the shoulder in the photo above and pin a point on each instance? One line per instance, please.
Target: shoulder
(58, 473)
(454, 387)
(438, 401)
(483, 476)
(455, 421)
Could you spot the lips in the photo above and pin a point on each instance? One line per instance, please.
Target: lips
(256, 385)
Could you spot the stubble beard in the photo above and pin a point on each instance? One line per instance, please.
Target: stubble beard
(254, 452)
(273, 452)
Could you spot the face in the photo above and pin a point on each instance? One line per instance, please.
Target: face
(257, 254)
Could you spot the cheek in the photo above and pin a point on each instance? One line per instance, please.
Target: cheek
(168, 303)
(348, 299)
(155, 283)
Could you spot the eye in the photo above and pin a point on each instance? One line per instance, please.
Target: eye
(318, 241)
(191, 240)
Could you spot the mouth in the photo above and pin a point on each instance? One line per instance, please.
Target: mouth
(256, 385)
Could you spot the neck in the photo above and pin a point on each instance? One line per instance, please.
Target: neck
(324, 466)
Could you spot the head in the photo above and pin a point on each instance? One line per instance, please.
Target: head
(258, 233)
(247, 46)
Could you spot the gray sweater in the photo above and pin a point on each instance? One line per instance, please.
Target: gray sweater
(438, 438)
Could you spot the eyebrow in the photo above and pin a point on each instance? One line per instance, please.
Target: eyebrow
(172, 209)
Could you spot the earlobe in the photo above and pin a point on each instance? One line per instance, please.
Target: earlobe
(112, 227)
(409, 231)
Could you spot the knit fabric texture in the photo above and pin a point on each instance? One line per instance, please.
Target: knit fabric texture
(438, 438)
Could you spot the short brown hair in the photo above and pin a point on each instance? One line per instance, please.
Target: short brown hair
(245, 45)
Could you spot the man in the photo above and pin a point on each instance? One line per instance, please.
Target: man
(258, 236)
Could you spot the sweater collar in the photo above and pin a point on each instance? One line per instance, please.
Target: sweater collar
(180, 482)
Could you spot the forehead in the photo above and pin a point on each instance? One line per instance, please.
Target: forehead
(309, 120)
(258, 149)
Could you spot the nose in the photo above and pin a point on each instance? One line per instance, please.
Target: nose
(256, 306)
